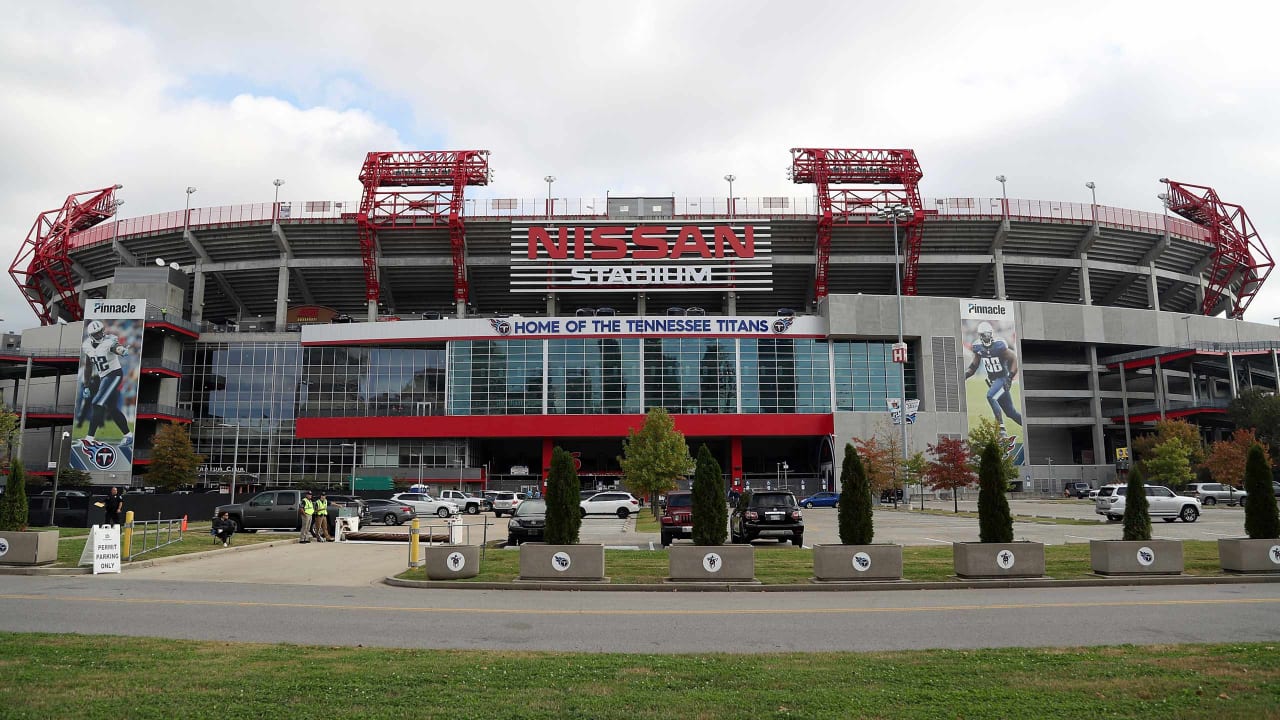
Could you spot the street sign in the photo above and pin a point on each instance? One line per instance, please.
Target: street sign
(900, 352)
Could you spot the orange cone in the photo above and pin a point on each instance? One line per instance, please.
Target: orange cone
(184, 523)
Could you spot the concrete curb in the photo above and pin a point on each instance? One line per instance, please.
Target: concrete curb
(827, 586)
(139, 564)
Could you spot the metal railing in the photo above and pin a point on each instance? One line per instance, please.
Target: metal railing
(152, 535)
(157, 409)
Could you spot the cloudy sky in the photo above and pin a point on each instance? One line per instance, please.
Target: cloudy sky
(640, 97)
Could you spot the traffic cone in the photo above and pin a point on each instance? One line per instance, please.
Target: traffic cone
(184, 523)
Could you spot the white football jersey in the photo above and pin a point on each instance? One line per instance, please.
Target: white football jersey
(102, 354)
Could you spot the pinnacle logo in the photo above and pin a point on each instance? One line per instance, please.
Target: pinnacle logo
(975, 308)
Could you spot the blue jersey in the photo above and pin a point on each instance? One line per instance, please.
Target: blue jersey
(993, 358)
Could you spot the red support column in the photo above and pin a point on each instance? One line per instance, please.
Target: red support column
(735, 463)
(547, 446)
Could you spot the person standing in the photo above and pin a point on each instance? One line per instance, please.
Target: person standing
(308, 511)
(112, 506)
(322, 519)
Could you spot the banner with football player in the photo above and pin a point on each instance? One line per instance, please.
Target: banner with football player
(106, 408)
(993, 387)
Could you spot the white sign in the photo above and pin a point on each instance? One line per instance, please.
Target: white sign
(913, 407)
(1146, 556)
(102, 309)
(561, 561)
(102, 550)
(861, 562)
(1005, 559)
(712, 255)
(712, 562)
(900, 352)
(4, 547)
(455, 561)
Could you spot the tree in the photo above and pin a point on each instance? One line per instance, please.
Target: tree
(1137, 511)
(13, 504)
(1144, 448)
(710, 515)
(1226, 460)
(1261, 518)
(173, 461)
(74, 478)
(879, 460)
(1168, 463)
(654, 457)
(1258, 409)
(951, 467)
(8, 429)
(986, 432)
(563, 518)
(995, 524)
(854, 513)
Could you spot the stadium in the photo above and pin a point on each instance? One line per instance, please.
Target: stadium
(433, 329)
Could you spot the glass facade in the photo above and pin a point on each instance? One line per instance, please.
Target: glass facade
(690, 375)
(503, 377)
(866, 375)
(786, 376)
(598, 376)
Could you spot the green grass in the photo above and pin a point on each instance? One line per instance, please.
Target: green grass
(51, 676)
(196, 539)
(1016, 518)
(63, 532)
(786, 565)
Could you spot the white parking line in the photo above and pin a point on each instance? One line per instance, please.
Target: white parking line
(943, 542)
(1079, 537)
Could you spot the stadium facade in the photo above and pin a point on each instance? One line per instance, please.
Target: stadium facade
(419, 333)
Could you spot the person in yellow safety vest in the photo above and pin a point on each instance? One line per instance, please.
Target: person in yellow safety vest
(308, 511)
(321, 525)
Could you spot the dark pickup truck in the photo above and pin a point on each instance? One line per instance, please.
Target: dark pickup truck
(270, 510)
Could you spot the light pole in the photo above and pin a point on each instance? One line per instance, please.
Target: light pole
(1004, 197)
(895, 213)
(353, 465)
(549, 179)
(186, 216)
(730, 177)
(1093, 191)
(275, 204)
(57, 473)
(235, 460)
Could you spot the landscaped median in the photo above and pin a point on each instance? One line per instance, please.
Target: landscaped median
(794, 566)
(195, 540)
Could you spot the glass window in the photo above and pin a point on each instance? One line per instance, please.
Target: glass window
(866, 376)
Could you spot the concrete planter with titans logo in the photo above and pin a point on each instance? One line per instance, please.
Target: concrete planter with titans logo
(28, 547)
(1243, 555)
(998, 560)
(1136, 557)
(857, 562)
(714, 563)
(581, 563)
(451, 562)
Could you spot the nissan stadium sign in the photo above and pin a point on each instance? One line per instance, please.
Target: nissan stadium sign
(711, 256)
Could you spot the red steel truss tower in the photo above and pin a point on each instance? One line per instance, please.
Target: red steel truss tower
(43, 268)
(1238, 252)
(867, 171)
(396, 197)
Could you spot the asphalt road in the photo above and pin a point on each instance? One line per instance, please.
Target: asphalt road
(630, 622)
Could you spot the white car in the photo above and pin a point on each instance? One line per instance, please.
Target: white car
(424, 504)
(1161, 502)
(611, 502)
(505, 503)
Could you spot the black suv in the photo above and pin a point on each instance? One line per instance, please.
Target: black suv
(767, 513)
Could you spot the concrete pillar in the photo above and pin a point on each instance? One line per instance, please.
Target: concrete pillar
(373, 311)
(1086, 294)
(1095, 389)
(731, 303)
(999, 271)
(1200, 294)
(1153, 290)
(460, 308)
(1158, 386)
(1275, 369)
(22, 418)
(1231, 372)
(1191, 378)
(197, 297)
(640, 304)
(282, 298)
(1124, 408)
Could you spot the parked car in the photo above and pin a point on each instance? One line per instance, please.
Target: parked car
(388, 512)
(350, 501)
(822, 499)
(471, 504)
(1161, 501)
(767, 513)
(677, 517)
(1076, 490)
(505, 503)
(528, 522)
(1093, 494)
(612, 502)
(1214, 493)
(270, 510)
(424, 504)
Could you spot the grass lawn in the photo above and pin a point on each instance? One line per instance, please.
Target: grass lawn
(784, 564)
(53, 676)
(1016, 518)
(196, 539)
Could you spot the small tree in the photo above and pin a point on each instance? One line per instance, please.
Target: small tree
(9, 422)
(1259, 409)
(995, 524)
(856, 524)
(879, 459)
(1146, 447)
(1137, 511)
(564, 518)
(13, 504)
(1261, 518)
(654, 457)
(173, 461)
(985, 432)
(1226, 461)
(1169, 464)
(710, 516)
(74, 478)
(952, 468)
